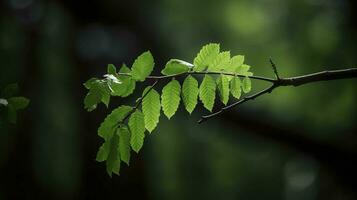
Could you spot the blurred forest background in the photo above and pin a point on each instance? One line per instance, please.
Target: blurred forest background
(293, 144)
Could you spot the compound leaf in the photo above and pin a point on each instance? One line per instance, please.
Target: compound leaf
(170, 98)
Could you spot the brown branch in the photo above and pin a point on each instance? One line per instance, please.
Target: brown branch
(293, 81)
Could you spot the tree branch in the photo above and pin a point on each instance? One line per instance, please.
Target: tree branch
(204, 73)
(293, 81)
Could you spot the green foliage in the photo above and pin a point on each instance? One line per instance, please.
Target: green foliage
(170, 98)
(111, 122)
(236, 89)
(113, 159)
(176, 66)
(10, 104)
(223, 88)
(190, 93)
(220, 62)
(127, 85)
(124, 128)
(205, 57)
(142, 66)
(137, 129)
(151, 108)
(124, 144)
(246, 85)
(208, 92)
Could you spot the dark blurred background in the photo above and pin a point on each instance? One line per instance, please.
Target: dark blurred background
(296, 143)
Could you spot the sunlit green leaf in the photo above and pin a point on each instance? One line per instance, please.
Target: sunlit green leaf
(220, 62)
(108, 126)
(244, 70)
(111, 69)
(127, 85)
(246, 85)
(223, 88)
(236, 87)
(190, 93)
(170, 98)
(207, 92)
(175, 66)
(151, 108)
(142, 66)
(137, 129)
(206, 56)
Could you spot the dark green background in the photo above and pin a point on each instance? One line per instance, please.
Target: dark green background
(296, 143)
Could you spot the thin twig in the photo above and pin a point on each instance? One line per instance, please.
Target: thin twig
(251, 97)
(203, 73)
(293, 81)
(274, 69)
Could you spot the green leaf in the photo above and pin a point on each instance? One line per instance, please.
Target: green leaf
(236, 87)
(235, 63)
(220, 62)
(111, 69)
(207, 92)
(190, 93)
(223, 88)
(137, 129)
(127, 85)
(103, 151)
(113, 160)
(175, 66)
(124, 144)
(170, 98)
(99, 91)
(142, 66)
(10, 90)
(244, 70)
(247, 85)
(108, 126)
(88, 84)
(206, 56)
(151, 108)
(18, 103)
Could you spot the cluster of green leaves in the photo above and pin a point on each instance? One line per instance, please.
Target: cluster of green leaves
(228, 75)
(10, 103)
